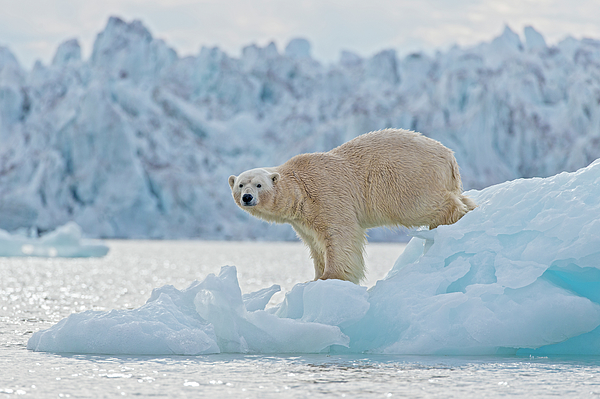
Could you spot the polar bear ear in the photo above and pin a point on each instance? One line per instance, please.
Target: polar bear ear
(231, 180)
(274, 177)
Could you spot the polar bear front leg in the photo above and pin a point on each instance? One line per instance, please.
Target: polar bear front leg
(318, 258)
(344, 256)
(317, 253)
(316, 247)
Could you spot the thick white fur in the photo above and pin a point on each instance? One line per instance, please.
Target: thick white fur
(385, 178)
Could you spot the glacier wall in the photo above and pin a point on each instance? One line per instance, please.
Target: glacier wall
(138, 142)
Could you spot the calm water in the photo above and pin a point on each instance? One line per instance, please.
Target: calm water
(37, 293)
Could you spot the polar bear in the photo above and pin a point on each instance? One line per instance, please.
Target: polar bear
(388, 177)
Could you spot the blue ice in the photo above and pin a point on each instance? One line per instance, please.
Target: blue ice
(520, 274)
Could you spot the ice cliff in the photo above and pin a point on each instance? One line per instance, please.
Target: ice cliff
(518, 275)
(138, 142)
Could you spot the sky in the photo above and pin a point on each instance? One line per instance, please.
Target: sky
(33, 29)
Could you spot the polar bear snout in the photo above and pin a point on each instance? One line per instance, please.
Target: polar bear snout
(248, 200)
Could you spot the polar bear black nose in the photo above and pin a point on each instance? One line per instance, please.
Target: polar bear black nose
(247, 198)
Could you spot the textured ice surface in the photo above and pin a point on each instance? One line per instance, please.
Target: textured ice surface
(64, 242)
(136, 142)
(522, 271)
(207, 317)
(519, 274)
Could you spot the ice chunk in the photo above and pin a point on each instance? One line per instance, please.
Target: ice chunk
(66, 241)
(519, 274)
(258, 300)
(163, 326)
(220, 303)
(207, 317)
(331, 302)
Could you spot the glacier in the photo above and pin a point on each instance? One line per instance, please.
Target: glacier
(65, 242)
(520, 275)
(137, 142)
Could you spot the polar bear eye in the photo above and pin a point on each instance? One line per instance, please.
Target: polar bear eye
(241, 185)
(258, 185)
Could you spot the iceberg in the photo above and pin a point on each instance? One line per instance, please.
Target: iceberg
(65, 242)
(520, 274)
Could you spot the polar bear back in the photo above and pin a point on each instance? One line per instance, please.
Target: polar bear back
(388, 177)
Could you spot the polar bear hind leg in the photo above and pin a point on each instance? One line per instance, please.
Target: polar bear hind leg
(453, 208)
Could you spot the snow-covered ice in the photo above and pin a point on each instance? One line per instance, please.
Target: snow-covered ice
(137, 142)
(66, 242)
(519, 274)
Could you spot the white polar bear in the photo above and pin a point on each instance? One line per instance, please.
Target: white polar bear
(384, 178)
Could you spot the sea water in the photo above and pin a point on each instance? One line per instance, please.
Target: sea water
(36, 293)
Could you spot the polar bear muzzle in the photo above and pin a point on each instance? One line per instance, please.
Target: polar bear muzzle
(248, 200)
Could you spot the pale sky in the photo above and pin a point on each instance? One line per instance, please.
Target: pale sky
(33, 29)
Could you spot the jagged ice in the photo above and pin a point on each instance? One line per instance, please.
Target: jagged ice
(137, 142)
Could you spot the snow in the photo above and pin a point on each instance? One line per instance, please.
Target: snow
(137, 142)
(66, 242)
(518, 275)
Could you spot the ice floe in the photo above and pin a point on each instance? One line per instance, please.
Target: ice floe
(66, 241)
(518, 275)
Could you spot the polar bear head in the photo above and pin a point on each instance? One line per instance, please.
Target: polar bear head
(253, 188)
